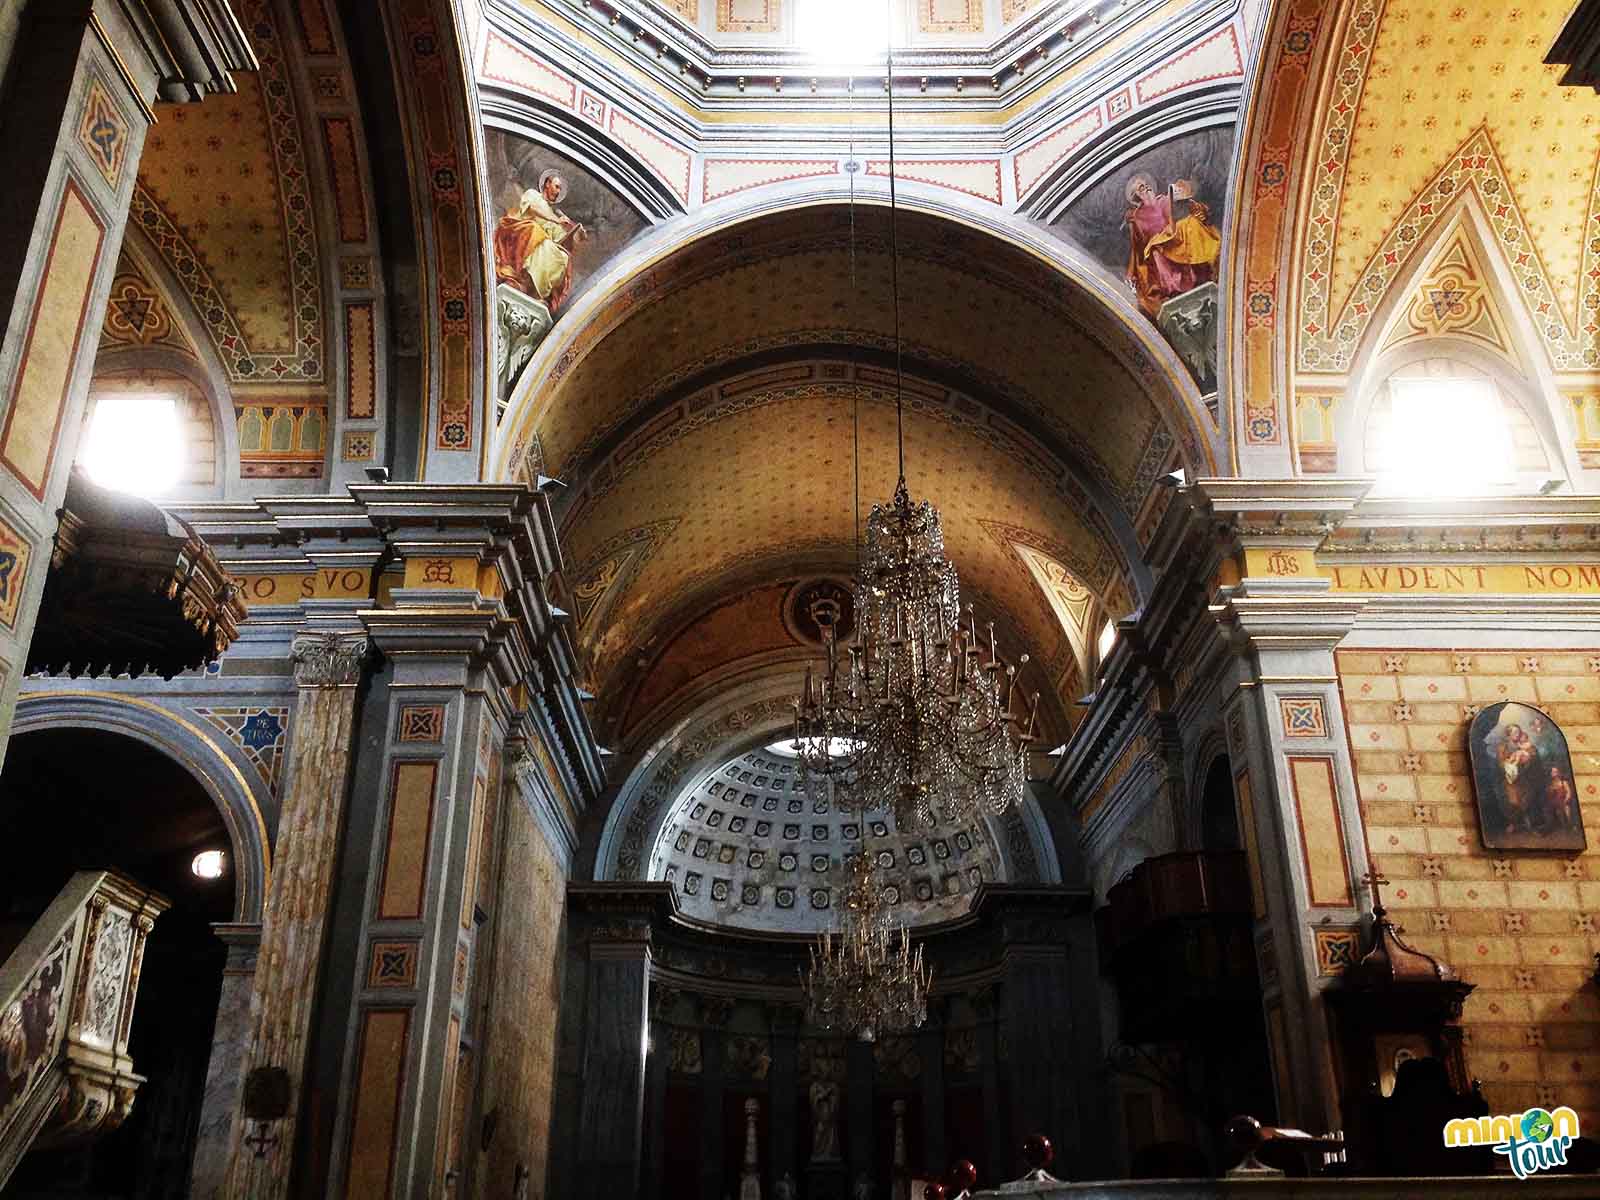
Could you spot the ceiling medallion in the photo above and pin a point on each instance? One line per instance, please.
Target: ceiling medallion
(815, 605)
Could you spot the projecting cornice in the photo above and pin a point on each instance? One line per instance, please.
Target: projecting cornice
(637, 48)
(455, 572)
(191, 46)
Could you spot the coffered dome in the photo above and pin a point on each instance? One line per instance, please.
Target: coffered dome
(746, 846)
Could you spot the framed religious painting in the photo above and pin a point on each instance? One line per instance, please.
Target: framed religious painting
(1522, 775)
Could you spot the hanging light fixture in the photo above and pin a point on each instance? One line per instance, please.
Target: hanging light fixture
(866, 978)
(924, 719)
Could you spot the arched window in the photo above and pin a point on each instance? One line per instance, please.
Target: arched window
(149, 433)
(1108, 639)
(1443, 426)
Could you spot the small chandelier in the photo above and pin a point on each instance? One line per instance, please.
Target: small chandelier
(925, 718)
(866, 978)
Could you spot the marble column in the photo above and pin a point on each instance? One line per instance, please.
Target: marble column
(750, 1177)
(328, 668)
(858, 1098)
(80, 80)
(662, 1000)
(1038, 995)
(229, 1042)
(610, 1121)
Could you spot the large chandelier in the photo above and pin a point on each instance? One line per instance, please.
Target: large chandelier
(866, 978)
(924, 720)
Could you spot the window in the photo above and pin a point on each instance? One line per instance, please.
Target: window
(1108, 639)
(1447, 437)
(135, 443)
(843, 31)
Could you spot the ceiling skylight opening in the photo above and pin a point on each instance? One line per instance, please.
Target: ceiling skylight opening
(837, 747)
(134, 443)
(1447, 437)
(846, 32)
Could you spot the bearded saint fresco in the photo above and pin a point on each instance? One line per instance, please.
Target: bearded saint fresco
(1168, 255)
(1527, 797)
(535, 241)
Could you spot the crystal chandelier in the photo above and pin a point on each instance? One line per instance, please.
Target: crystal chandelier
(925, 718)
(919, 722)
(866, 978)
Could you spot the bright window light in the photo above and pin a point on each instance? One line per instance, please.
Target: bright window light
(1447, 437)
(134, 444)
(208, 864)
(843, 31)
(1108, 639)
(838, 747)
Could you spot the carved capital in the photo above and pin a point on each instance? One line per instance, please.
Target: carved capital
(328, 659)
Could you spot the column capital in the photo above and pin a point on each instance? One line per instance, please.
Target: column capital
(328, 659)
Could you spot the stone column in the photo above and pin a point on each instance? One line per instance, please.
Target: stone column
(1038, 992)
(1294, 780)
(858, 1101)
(782, 1086)
(930, 1047)
(715, 1011)
(1002, 1157)
(80, 82)
(750, 1177)
(612, 1108)
(229, 1042)
(1298, 816)
(328, 668)
(657, 1065)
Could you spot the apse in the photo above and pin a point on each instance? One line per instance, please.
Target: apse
(747, 846)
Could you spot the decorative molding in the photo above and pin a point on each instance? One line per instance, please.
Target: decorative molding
(260, 733)
(103, 132)
(976, 177)
(1303, 717)
(328, 659)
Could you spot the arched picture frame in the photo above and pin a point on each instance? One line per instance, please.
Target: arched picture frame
(1522, 776)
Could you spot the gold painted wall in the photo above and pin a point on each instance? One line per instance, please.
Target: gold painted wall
(519, 1063)
(1523, 926)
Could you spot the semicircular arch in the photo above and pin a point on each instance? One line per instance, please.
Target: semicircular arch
(237, 802)
(644, 271)
(756, 713)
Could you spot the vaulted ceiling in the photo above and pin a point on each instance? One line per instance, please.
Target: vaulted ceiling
(705, 417)
(1380, 127)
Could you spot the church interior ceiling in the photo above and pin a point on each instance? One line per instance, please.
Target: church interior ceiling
(252, 246)
(709, 461)
(746, 846)
(1446, 186)
(738, 60)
